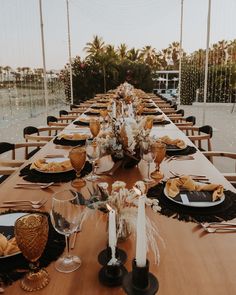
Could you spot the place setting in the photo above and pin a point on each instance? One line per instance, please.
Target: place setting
(56, 170)
(194, 198)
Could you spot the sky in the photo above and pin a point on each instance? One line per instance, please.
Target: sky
(134, 22)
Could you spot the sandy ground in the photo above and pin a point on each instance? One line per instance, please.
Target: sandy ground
(218, 116)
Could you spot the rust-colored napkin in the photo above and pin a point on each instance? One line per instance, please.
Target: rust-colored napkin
(178, 142)
(174, 185)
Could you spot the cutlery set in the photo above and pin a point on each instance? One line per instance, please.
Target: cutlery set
(24, 204)
(220, 227)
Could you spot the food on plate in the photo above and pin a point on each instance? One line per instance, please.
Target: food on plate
(42, 165)
(8, 247)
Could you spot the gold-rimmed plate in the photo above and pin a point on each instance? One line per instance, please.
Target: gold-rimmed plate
(54, 165)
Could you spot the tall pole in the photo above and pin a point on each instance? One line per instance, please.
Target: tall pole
(44, 60)
(206, 60)
(180, 50)
(69, 49)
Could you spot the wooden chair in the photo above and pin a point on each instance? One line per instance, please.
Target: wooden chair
(31, 133)
(55, 122)
(229, 176)
(188, 121)
(200, 134)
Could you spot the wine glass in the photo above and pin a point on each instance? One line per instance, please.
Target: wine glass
(31, 233)
(77, 157)
(66, 215)
(159, 150)
(147, 154)
(93, 153)
(148, 124)
(94, 126)
(104, 114)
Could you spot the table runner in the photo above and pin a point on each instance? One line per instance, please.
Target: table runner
(224, 211)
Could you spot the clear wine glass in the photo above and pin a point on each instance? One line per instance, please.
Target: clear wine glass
(93, 153)
(77, 157)
(147, 154)
(66, 215)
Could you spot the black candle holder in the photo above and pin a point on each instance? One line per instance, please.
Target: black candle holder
(105, 256)
(140, 281)
(112, 275)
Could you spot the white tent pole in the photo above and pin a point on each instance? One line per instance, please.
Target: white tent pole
(206, 60)
(180, 49)
(69, 48)
(44, 61)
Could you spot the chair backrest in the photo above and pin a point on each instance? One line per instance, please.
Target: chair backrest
(6, 147)
(74, 106)
(30, 130)
(191, 119)
(63, 112)
(207, 129)
(51, 119)
(181, 112)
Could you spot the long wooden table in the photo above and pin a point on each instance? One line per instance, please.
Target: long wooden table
(191, 262)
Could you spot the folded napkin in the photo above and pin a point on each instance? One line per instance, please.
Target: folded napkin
(174, 185)
(158, 118)
(8, 247)
(74, 136)
(178, 142)
(42, 165)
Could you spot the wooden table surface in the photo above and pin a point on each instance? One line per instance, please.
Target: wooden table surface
(192, 263)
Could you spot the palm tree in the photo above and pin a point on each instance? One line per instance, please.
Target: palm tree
(122, 51)
(133, 54)
(94, 48)
(149, 55)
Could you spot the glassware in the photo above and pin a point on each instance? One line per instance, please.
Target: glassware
(159, 150)
(147, 154)
(66, 215)
(148, 124)
(77, 157)
(94, 126)
(104, 114)
(31, 233)
(93, 153)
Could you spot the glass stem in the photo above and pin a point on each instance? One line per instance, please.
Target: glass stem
(67, 246)
(149, 170)
(93, 168)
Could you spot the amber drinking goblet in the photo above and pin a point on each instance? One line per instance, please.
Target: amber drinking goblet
(104, 114)
(31, 232)
(77, 158)
(94, 126)
(159, 150)
(148, 124)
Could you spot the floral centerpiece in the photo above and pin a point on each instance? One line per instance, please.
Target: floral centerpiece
(123, 141)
